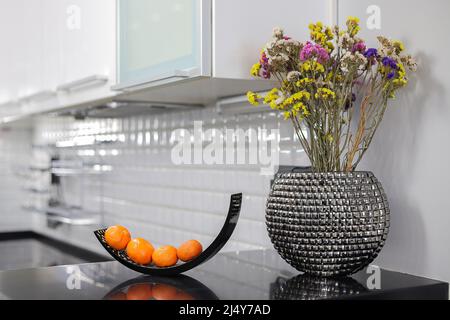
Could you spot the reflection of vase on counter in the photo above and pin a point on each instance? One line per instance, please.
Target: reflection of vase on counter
(306, 287)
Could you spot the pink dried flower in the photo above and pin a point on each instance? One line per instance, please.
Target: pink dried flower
(314, 50)
(359, 46)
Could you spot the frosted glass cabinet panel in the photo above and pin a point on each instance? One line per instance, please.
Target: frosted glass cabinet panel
(160, 39)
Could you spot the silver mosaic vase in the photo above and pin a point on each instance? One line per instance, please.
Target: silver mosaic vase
(327, 224)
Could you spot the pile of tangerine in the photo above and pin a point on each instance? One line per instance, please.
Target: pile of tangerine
(142, 252)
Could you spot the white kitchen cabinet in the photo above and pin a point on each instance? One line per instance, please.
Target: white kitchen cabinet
(88, 39)
(163, 39)
(87, 50)
(59, 53)
(203, 47)
(20, 54)
(188, 52)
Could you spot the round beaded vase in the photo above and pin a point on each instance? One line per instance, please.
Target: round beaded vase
(327, 224)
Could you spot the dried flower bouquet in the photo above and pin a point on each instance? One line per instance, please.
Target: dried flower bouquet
(327, 83)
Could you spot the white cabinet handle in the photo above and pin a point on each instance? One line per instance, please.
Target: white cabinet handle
(149, 82)
(83, 83)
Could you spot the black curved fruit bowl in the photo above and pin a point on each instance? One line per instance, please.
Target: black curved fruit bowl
(223, 237)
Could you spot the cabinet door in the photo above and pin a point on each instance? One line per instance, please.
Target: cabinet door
(20, 54)
(88, 38)
(160, 39)
(52, 49)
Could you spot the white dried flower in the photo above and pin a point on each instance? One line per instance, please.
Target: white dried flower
(279, 100)
(293, 76)
(346, 41)
(411, 63)
(359, 57)
(284, 56)
(278, 33)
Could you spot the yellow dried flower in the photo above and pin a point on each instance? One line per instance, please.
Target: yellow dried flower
(325, 94)
(296, 97)
(313, 66)
(253, 98)
(329, 33)
(398, 45)
(351, 20)
(255, 69)
(271, 96)
(301, 107)
(353, 25)
(329, 137)
(303, 82)
(287, 115)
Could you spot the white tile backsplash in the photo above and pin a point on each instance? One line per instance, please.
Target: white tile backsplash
(15, 150)
(153, 197)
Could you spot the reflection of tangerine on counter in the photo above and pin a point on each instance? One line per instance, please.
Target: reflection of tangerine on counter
(140, 251)
(140, 291)
(164, 292)
(181, 295)
(118, 296)
(117, 237)
(189, 250)
(165, 256)
(150, 291)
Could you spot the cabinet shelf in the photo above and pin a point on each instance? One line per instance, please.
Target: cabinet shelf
(154, 98)
(72, 216)
(197, 91)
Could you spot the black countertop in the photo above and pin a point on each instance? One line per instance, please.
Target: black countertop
(245, 275)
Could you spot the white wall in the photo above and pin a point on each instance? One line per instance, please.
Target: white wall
(410, 153)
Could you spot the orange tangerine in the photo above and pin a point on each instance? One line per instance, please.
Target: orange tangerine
(140, 251)
(164, 292)
(165, 256)
(140, 291)
(117, 237)
(189, 250)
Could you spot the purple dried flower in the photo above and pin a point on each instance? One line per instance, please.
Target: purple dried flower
(371, 53)
(389, 62)
(391, 75)
(264, 61)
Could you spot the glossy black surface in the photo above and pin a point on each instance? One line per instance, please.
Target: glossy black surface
(239, 275)
(24, 250)
(221, 239)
